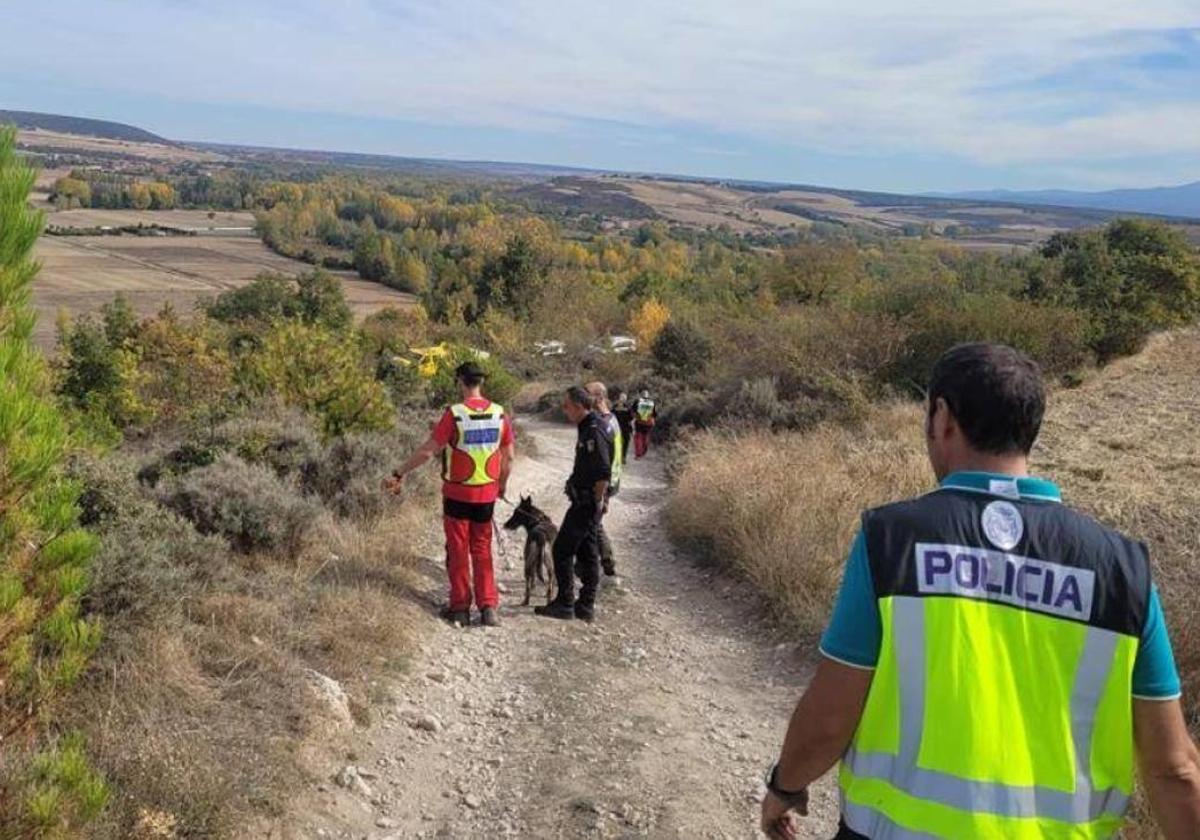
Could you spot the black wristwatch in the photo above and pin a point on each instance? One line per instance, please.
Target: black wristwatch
(792, 798)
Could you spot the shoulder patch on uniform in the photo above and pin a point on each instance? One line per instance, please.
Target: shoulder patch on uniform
(1002, 525)
(591, 445)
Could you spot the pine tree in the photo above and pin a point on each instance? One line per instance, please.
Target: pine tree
(45, 642)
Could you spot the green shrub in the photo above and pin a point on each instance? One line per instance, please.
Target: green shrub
(245, 503)
(276, 437)
(59, 791)
(1054, 336)
(322, 373)
(754, 403)
(149, 558)
(45, 642)
(314, 298)
(348, 474)
(1130, 278)
(682, 350)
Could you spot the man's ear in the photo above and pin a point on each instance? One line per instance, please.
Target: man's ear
(941, 421)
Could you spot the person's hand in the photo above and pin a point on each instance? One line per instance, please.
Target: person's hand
(604, 510)
(393, 484)
(779, 819)
(504, 492)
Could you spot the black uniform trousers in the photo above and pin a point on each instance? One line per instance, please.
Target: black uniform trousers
(577, 547)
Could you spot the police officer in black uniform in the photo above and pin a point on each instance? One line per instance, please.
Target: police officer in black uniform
(578, 544)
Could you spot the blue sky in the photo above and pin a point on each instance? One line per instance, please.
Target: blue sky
(874, 94)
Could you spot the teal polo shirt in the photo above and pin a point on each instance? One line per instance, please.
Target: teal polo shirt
(854, 634)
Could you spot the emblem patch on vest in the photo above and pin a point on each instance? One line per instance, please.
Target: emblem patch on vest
(1002, 525)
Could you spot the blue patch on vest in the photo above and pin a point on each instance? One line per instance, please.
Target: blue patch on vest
(481, 437)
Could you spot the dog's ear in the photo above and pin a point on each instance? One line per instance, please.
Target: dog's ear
(526, 501)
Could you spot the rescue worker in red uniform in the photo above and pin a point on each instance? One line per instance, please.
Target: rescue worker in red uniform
(475, 438)
(645, 415)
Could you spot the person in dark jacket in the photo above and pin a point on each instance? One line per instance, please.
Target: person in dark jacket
(599, 393)
(577, 546)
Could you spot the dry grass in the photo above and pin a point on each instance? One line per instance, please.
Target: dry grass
(1124, 446)
(203, 716)
(782, 509)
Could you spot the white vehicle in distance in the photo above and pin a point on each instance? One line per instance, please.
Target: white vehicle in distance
(617, 344)
(550, 348)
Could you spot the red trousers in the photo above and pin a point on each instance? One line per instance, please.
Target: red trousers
(641, 442)
(469, 549)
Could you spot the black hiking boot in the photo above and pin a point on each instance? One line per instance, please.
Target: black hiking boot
(488, 617)
(459, 617)
(583, 613)
(555, 610)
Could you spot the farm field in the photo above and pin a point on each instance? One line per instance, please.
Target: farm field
(54, 141)
(81, 273)
(747, 210)
(197, 220)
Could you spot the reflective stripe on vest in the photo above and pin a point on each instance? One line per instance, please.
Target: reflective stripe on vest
(924, 762)
(618, 457)
(472, 458)
(645, 410)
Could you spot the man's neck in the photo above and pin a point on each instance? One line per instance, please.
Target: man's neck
(472, 394)
(1012, 465)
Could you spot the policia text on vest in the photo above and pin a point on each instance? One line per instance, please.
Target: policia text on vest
(991, 652)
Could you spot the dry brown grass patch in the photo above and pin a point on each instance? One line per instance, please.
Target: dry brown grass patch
(782, 509)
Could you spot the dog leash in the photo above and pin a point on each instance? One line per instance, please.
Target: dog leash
(497, 532)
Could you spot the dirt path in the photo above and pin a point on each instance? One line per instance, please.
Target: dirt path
(656, 721)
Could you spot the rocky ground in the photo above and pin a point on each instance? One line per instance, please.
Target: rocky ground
(655, 721)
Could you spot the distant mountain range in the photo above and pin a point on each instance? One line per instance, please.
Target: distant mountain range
(1183, 200)
(80, 125)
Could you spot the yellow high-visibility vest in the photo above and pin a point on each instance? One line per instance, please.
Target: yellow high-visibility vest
(1000, 707)
(472, 458)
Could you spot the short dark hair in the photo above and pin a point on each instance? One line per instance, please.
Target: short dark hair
(579, 395)
(995, 393)
(470, 374)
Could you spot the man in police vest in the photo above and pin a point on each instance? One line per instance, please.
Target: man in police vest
(577, 546)
(996, 662)
(599, 394)
(623, 411)
(645, 415)
(475, 437)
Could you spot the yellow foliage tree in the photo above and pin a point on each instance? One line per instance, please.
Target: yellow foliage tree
(648, 321)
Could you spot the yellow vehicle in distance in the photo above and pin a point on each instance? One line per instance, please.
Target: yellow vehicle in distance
(427, 360)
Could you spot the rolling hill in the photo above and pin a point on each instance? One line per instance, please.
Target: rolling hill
(31, 120)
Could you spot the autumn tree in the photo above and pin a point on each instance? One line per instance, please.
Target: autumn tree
(817, 272)
(648, 321)
(71, 192)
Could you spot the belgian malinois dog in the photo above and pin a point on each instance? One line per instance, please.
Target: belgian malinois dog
(540, 533)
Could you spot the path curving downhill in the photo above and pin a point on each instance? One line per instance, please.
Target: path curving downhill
(656, 721)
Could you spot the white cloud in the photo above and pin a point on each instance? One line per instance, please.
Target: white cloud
(940, 76)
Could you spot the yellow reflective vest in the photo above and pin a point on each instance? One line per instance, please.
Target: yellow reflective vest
(1000, 707)
(473, 456)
